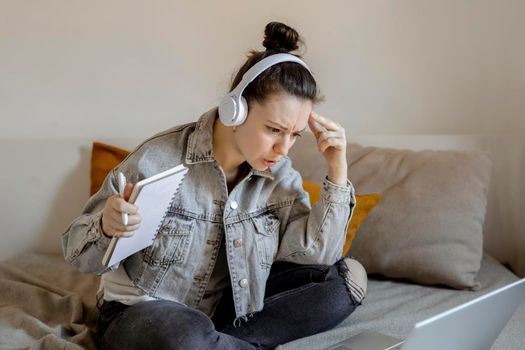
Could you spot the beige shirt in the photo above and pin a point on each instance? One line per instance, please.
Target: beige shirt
(117, 286)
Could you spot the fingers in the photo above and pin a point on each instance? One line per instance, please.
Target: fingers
(331, 139)
(327, 133)
(112, 217)
(321, 123)
(116, 219)
(315, 126)
(116, 228)
(120, 205)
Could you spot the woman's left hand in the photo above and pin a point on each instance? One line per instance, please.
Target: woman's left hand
(331, 141)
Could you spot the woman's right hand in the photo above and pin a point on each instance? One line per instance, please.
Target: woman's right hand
(112, 215)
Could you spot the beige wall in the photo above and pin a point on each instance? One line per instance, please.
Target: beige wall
(128, 68)
(85, 67)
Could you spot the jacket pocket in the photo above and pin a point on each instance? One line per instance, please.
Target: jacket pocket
(171, 245)
(267, 238)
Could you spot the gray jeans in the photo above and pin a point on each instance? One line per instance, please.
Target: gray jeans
(300, 300)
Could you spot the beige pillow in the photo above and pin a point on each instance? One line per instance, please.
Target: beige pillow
(428, 226)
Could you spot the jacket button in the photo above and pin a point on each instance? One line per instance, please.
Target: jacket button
(237, 243)
(234, 205)
(243, 283)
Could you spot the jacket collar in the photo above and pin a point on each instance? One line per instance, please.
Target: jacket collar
(200, 145)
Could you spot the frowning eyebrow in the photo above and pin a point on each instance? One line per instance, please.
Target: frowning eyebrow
(284, 128)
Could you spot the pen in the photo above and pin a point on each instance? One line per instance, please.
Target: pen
(121, 187)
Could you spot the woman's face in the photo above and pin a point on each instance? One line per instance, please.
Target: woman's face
(271, 129)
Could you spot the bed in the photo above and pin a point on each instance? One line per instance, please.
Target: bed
(46, 304)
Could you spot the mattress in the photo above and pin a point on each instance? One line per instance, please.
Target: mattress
(45, 303)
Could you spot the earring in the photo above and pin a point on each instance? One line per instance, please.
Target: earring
(234, 128)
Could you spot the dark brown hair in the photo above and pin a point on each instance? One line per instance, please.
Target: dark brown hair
(288, 77)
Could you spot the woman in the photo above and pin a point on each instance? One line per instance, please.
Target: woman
(241, 261)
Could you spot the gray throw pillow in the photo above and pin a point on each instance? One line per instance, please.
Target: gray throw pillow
(428, 225)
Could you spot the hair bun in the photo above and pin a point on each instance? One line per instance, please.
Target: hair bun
(279, 37)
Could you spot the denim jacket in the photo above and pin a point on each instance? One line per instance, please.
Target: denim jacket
(266, 217)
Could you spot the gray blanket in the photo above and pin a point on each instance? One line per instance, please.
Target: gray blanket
(46, 304)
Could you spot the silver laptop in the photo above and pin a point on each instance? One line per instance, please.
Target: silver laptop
(474, 325)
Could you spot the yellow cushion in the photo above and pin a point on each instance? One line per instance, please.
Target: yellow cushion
(364, 204)
(104, 158)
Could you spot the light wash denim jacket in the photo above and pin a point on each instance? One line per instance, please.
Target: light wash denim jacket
(266, 217)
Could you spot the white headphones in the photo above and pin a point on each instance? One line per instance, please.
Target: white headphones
(233, 108)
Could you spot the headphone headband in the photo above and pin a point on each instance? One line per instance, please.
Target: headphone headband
(263, 65)
(233, 108)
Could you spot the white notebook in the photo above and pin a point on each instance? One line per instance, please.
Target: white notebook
(153, 196)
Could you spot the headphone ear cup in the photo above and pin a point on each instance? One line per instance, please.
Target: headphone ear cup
(243, 111)
(233, 109)
(227, 110)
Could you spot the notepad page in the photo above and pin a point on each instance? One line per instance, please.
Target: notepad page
(153, 202)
